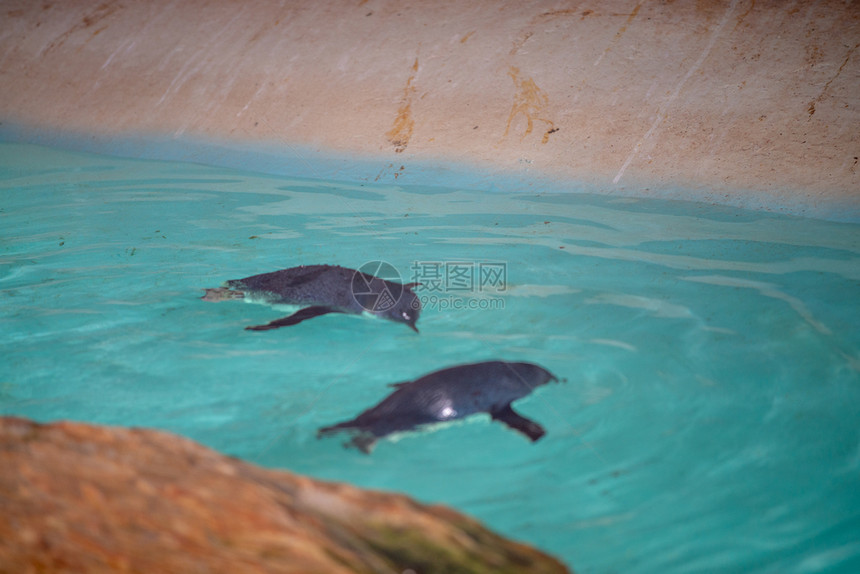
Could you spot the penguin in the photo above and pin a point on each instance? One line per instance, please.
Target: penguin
(323, 289)
(449, 394)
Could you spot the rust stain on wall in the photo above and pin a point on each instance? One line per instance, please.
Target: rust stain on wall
(539, 21)
(630, 18)
(88, 20)
(745, 14)
(401, 131)
(530, 101)
(519, 42)
(621, 31)
(824, 92)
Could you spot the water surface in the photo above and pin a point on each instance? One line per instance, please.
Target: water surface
(710, 421)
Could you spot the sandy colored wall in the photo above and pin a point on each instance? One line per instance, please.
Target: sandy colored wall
(723, 98)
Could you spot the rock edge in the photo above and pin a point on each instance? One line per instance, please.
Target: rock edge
(85, 498)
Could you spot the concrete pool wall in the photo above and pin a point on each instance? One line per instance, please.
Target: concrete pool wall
(754, 104)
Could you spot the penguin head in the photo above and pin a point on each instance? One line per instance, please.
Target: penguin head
(532, 375)
(406, 310)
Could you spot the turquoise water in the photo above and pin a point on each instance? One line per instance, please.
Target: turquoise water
(710, 421)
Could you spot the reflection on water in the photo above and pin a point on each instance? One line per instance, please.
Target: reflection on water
(710, 417)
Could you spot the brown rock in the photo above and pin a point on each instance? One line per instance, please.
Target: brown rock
(83, 498)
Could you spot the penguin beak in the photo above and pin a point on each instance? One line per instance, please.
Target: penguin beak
(413, 327)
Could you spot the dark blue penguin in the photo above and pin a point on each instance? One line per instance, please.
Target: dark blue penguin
(449, 394)
(322, 289)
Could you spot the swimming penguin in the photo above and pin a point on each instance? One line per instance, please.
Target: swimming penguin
(322, 289)
(449, 394)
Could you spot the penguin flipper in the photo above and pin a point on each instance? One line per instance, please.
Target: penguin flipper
(295, 318)
(362, 440)
(518, 422)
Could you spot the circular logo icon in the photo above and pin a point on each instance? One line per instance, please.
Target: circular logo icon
(376, 286)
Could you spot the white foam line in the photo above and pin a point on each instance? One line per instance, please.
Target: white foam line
(177, 76)
(254, 97)
(187, 69)
(661, 113)
(767, 290)
(614, 343)
(114, 53)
